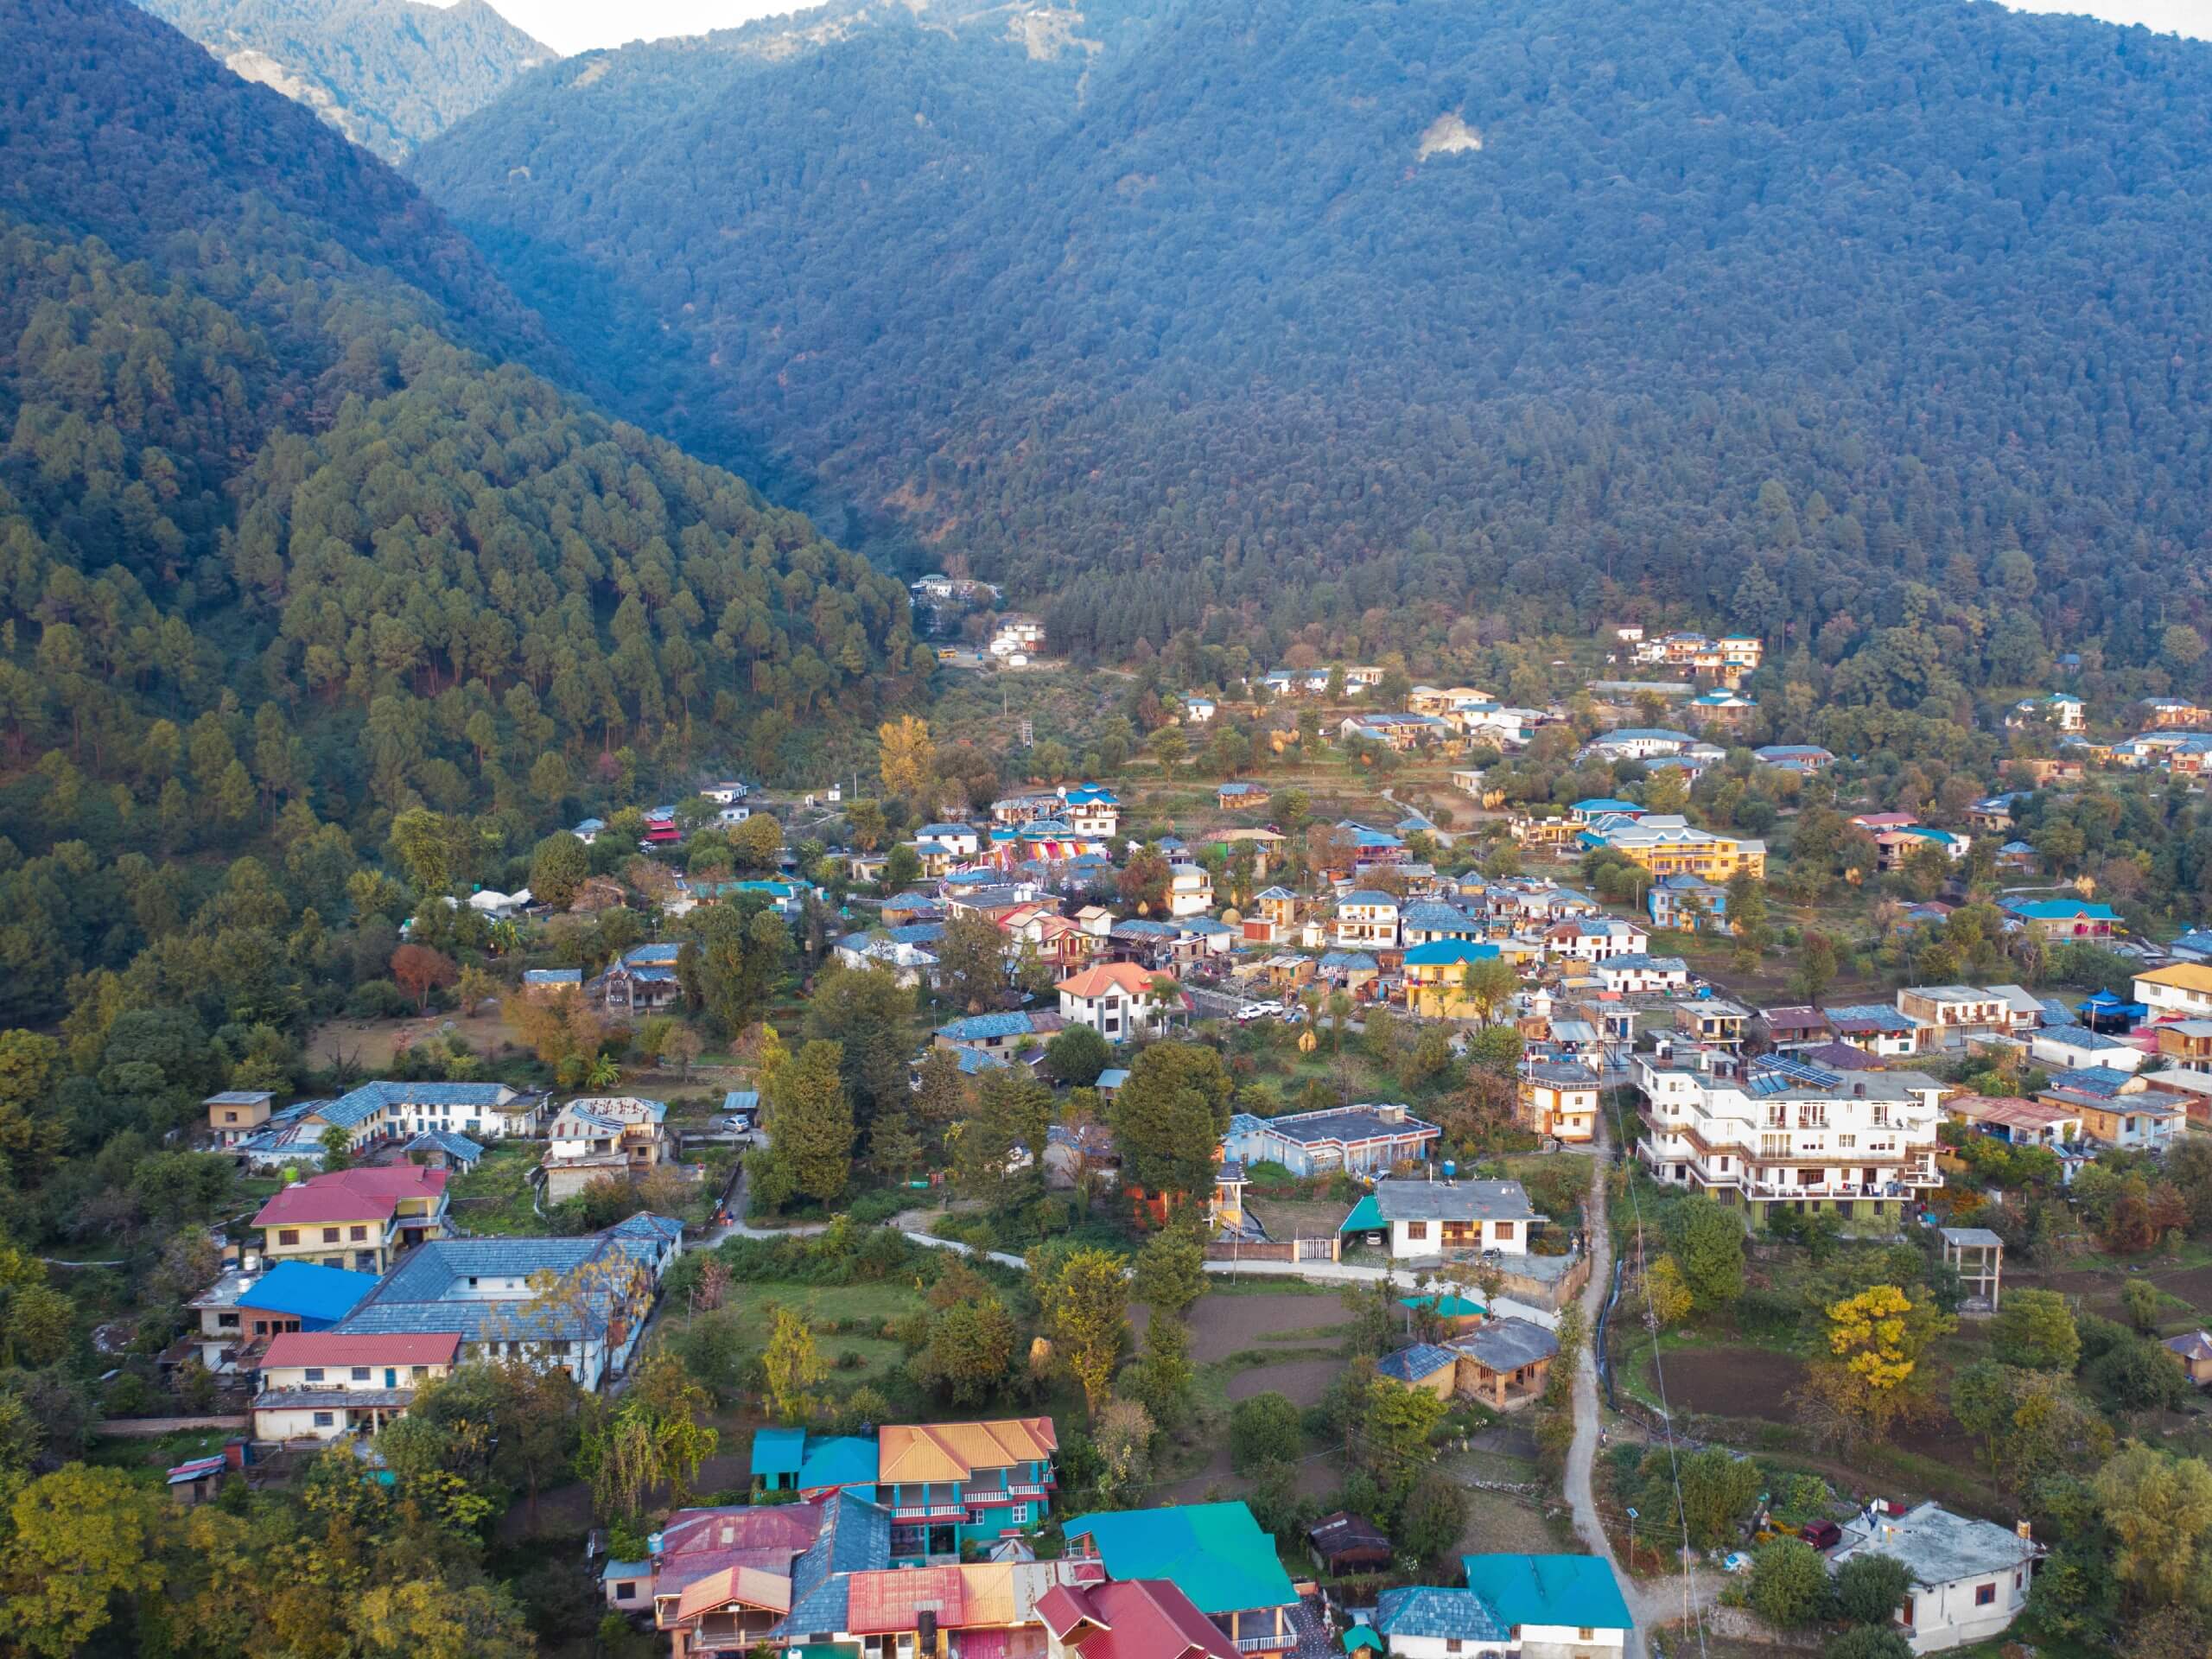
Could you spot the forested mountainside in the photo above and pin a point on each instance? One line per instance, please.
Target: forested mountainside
(1196, 314)
(278, 549)
(387, 74)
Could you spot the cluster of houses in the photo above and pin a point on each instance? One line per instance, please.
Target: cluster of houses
(356, 1290)
(914, 1539)
(1727, 661)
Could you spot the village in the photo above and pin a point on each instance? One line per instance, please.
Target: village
(1523, 1183)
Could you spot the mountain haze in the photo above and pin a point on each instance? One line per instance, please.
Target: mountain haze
(387, 74)
(1210, 315)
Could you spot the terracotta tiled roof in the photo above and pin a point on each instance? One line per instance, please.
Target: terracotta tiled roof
(923, 1452)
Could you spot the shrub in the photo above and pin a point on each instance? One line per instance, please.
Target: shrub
(1789, 1586)
(1265, 1428)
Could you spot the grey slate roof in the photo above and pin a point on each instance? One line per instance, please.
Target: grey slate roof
(1506, 1345)
(1426, 1611)
(428, 1290)
(1936, 1547)
(1453, 1201)
(1411, 1364)
(856, 1537)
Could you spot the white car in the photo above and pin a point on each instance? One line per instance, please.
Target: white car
(1252, 1011)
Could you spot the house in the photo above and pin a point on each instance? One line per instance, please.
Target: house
(1428, 920)
(1969, 1578)
(1189, 890)
(1117, 999)
(2015, 1121)
(2075, 1048)
(1353, 971)
(1017, 636)
(1237, 797)
(1366, 919)
(602, 1138)
(1558, 1099)
(1794, 1027)
(1944, 1015)
(1556, 1606)
(245, 1308)
(1344, 1542)
(1599, 939)
(2192, 1350)
(443, 1149)
(1427, 1218)
(357, 1219)
(542, 984)
(1198, 711)
(1794, 757)
(644, 980)
(1501, 1362)
(198, 1480)
(951, 1484)
(1714, 1021)
(1435, 978)
(1688, 903)
(1894, 848)
(775, 1585)
(1780, 1129)
(2133, 1118)
(1425, 1622)
(2165, 714)
(238, 1113)
(2184, 988)
(1136, 1619)
(1667, 844)
(1092, 810)
(1639, 973)
(578, 1304)
(999, 1034)
(1874, 1029)
(382, 1111)
(2059, 709)
(1361, 1140)
(2063, 919)
(1214, 1554)
(1370, 846)
(587, 830)
(320, 1385)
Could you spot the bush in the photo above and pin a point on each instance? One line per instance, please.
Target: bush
(1789, 1586)
(378, 999)
(1869, 1589)
(873, 1208)
(1265, 1428)
(1868, 1642)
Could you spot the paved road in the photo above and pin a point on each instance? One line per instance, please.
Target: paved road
(1652, 1602)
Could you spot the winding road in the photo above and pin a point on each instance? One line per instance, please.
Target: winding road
(1651, 1603)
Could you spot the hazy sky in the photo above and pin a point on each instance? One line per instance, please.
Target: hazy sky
(579, 25)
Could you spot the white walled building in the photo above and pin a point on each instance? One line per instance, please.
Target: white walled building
(1970, 1578)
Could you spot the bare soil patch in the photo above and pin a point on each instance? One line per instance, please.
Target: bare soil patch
(1221, 1326)
(1299, 1381)
(371, 1044)
(1733, 1382)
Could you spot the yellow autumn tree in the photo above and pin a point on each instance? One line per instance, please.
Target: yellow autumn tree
(1871, 1376)
(909, 756)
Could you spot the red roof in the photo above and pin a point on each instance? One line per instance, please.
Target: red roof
(349, 1195)
(1138, 1618)
(879, 1603)
(331, 1348)
(1124, 976)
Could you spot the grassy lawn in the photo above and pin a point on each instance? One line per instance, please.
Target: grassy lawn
(494, 1197)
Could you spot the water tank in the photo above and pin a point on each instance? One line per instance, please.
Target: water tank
(1451, 1169)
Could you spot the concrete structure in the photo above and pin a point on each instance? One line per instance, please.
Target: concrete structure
(1969, 1578)
(1667, 844)
(1558, 1099)
(321, 1385)
(356, 1218)
(1779, 1130)
(1116, 1000)
(1977, 1256)
(1429, 1219)
(2185, 989)
(1559, 1606)
(951, 1484)
(237, 1114)
(1214, 1554)
(1364, 1140)
(615, 1137)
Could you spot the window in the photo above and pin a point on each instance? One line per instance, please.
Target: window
(624, 1590)
(356, 1233)
(1417, 1230)
(1984, 1594)
(1587, 1633)
(314, 1373)
(1505, 1230)
(287, 1235)
(325, 1419)
(330, 1235)
(360, 1373)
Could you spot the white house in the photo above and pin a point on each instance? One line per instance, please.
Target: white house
(1198, 710)
(1596, 939)
(2074, 1048)
(1427, 1218)
(1114, 999)
(317, 1385)
(2184, 988)
(1969, 1578)
(1638, 972)
(1366, 919)
(725, 792)
(1018, 635)
(1190, 891)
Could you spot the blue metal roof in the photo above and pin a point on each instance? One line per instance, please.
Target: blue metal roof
(981, 1028)
(308, 1291)
(778, 1451)
(839, 1460)
(1426, 1611)
(357, 1104)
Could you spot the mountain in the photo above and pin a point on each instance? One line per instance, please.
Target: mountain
(292, 530)
(387, 74)
(1370, 322)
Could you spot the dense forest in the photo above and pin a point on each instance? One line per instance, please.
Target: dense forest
(281, 552)
(387, 74)
(1240, 318)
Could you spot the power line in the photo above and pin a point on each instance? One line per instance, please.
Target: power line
(1666, 1415)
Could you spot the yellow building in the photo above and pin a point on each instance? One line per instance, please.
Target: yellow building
(358, 1219)
(1435, 977)
(1667, 844)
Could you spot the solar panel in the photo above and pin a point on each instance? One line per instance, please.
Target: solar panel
(1773, 1074)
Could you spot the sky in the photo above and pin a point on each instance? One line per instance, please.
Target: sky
(571, 26)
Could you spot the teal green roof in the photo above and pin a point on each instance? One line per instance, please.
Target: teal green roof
(1359, 1636)
(1214, 1554)
(1450, 1304)
(1576, 1590)
(1365, 1217)
(778, 1451)
(841, 1460)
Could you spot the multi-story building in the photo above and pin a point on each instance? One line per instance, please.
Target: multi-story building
(1946, 1015)
(950, 1485)
(1436, 978)
(2166, 713)
(1190, 891)
(615, 1137)
(356, 1218)
(1773, 1130)
(2185, 989)
(1117, 999)
(1214, 1554)
(318, 1385)
(1363, 1140)
(1688, 903)
(1366, 919)
(236, 1115)
(1668, 844)
(1595, 938)
(1558, 1099)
